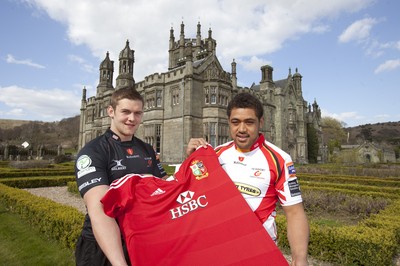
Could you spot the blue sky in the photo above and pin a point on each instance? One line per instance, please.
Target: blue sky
(348, 51)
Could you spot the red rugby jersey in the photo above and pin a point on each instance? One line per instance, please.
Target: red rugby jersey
(200, 218)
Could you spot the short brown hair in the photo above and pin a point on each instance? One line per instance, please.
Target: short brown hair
(125, 93)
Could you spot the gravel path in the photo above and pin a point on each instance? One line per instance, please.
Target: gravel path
(60, 195)
(63, 196)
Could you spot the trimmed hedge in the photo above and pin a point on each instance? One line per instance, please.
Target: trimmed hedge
(33, 182)
(73, 187)
(392, 192)
(343, 179)
(327, 188)
(375, 241)
(35, 173)
(57, 221)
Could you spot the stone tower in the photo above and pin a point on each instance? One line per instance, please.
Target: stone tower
(126, 64)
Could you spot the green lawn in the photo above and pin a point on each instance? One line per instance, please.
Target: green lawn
(20, 244)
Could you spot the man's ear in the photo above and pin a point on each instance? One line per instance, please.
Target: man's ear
(261, 122)
(110, 111)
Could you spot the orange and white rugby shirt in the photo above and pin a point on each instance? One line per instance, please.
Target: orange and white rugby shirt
(264, 174)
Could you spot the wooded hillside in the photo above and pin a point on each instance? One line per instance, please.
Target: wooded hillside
(64, 132)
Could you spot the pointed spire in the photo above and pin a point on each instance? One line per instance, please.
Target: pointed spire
(233, 67)
(84, 94)
(182, 29)
(198, 29)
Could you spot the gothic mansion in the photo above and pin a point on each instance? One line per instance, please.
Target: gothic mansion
(190, 100)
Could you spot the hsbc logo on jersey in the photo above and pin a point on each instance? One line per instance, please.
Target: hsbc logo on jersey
(188, 204)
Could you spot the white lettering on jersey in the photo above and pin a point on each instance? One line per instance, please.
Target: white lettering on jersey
(188, 204)
(91, 182)
(294, 188)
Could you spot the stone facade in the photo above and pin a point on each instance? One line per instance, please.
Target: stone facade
(190, 100)
(367, 152)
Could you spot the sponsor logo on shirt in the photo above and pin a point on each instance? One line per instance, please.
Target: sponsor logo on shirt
(248, 189)
(239, 162)
(241, 158)
(291, 169)
(294, 188)
(158, 191)
(257, 173)
(118, 166)
(129, 151)
(188, 203)
(255, 145)
(199, 169)
(83, 165)
(149, 161)
(132, 156)
(88, 183)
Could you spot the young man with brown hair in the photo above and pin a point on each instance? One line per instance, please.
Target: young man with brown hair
(104, 159)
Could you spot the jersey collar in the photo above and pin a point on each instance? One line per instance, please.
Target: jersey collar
(258, 143)
(114, 136)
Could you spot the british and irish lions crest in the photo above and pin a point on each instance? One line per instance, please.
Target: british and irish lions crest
(199, 169)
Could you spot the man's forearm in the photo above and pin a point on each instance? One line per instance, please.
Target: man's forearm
(298, 236)
(105, 228)
(108, 236)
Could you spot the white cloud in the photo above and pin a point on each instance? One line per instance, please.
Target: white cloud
(242, 28)
(83, 64)
(358, 31)
(15, 112)
(382, 117)
(28, 62)
(349, 118)
(254, 63)
(389, 45)
(387, 66)
(343, 116)
(377, 49)
(90, 89)
(49, 105)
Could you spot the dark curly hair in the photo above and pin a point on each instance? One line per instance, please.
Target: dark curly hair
(246, 100)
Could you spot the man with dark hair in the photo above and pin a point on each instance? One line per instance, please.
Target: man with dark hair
(104, 159)
(262, 172)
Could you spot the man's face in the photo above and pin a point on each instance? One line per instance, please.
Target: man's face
(126, 118)
(244, 127)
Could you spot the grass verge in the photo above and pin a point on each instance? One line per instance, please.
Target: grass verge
(20, 244)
